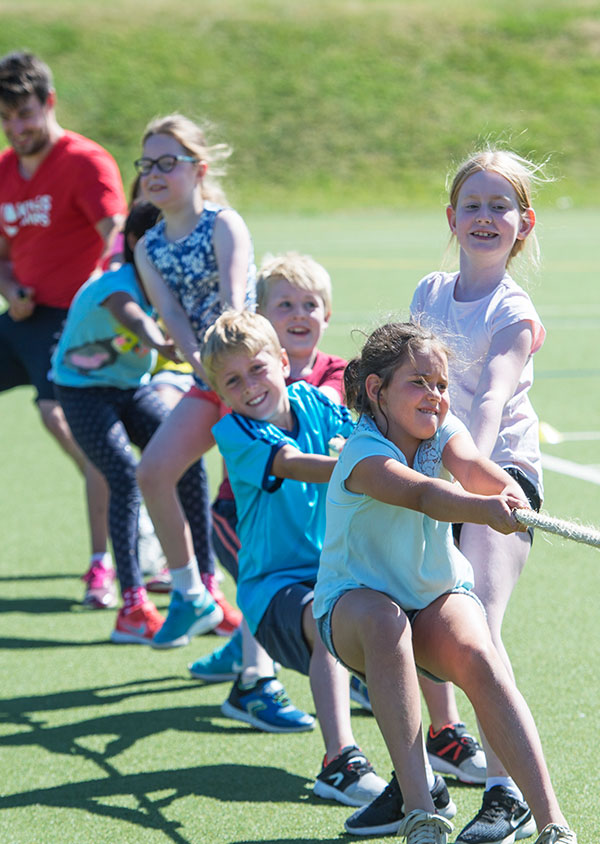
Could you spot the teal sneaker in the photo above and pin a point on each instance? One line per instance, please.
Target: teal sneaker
(267, 707)
(221, 665)
(187, 618)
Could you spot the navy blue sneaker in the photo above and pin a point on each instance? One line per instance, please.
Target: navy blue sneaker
(267, 707)
(385, 814)
(187, 618)
(349, 778)
(502, 819)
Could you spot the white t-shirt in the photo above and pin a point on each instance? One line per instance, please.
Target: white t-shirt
(470, 327)
(391, 549)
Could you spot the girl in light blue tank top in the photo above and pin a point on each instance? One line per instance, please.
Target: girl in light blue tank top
(197, 261)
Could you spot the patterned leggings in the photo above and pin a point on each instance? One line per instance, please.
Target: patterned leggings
(105, 421)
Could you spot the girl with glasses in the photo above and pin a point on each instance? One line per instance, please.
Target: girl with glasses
(195, 262)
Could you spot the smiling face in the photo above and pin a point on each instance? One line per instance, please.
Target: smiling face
(487, 219)
(254, 386)
(413, 405)
(169, 190)
(298, 316)
(28, 125)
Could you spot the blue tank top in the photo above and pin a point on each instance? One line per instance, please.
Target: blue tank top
(189, 268)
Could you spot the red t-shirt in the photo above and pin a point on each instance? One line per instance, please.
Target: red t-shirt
(328, 371)
(49, 220)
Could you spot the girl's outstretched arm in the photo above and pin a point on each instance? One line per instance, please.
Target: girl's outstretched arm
(129, 314)
(231, 241)
(390, 481)
(509, 350)
(173, 315)
(476, 473)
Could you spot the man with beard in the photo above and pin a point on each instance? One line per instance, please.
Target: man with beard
(61, 205)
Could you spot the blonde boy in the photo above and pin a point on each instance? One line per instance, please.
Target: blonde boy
(275, 446)
(294, 293)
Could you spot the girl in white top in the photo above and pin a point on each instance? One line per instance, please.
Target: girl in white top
(393, 590)
(498, 332)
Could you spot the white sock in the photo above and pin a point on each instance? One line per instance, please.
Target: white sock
(506, 782)
(186, 580)
(104, 558)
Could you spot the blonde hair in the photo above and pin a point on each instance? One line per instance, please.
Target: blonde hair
(300, 271)
(522, 173)
(192, 138)
(236, 331)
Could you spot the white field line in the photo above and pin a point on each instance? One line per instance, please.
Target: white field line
(574, 470)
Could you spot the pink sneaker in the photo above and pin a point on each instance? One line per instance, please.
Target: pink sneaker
(137, 626)
(232, 617)
(100, 590)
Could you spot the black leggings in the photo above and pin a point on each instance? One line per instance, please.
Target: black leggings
(105, 421)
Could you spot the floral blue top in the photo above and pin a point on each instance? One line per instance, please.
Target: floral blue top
(189, 268)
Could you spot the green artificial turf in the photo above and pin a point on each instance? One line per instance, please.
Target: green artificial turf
(103, 743)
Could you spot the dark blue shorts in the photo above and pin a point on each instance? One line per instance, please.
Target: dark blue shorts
(280, 629)
(26, 349)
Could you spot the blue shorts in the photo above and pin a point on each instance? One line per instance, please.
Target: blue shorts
(324, 627)
(26, 349)
(280, 629)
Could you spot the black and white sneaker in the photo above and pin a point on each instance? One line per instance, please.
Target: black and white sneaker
(502, 819)
(385, 814)
(349, 779)
(452, 750)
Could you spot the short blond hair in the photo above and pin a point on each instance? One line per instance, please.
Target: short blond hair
(300, 271)
(236, 331)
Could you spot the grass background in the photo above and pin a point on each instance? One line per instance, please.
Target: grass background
(331, 103)
(344, 117)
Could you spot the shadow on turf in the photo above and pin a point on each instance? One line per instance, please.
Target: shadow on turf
(37, 605)
(157, 790)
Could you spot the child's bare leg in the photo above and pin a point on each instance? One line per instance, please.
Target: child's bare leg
(452, 641)
(441, 703)
(256, 661)
(330, 690)
(373, 636)
(179, 442)
(497, 562)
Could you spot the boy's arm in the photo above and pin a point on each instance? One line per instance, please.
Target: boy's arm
(290, 462)
(127, 311)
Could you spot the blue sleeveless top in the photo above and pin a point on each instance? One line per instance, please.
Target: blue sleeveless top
(189, 268)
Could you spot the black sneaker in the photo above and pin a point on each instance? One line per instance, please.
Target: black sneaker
(452, 750)
(501, 820)
(385, 814)
(349, 779)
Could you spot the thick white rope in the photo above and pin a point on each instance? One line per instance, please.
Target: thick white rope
(570, 530)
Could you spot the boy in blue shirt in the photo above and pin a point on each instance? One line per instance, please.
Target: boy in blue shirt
(276, 447)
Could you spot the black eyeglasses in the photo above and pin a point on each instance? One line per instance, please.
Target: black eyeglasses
(165, 163)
